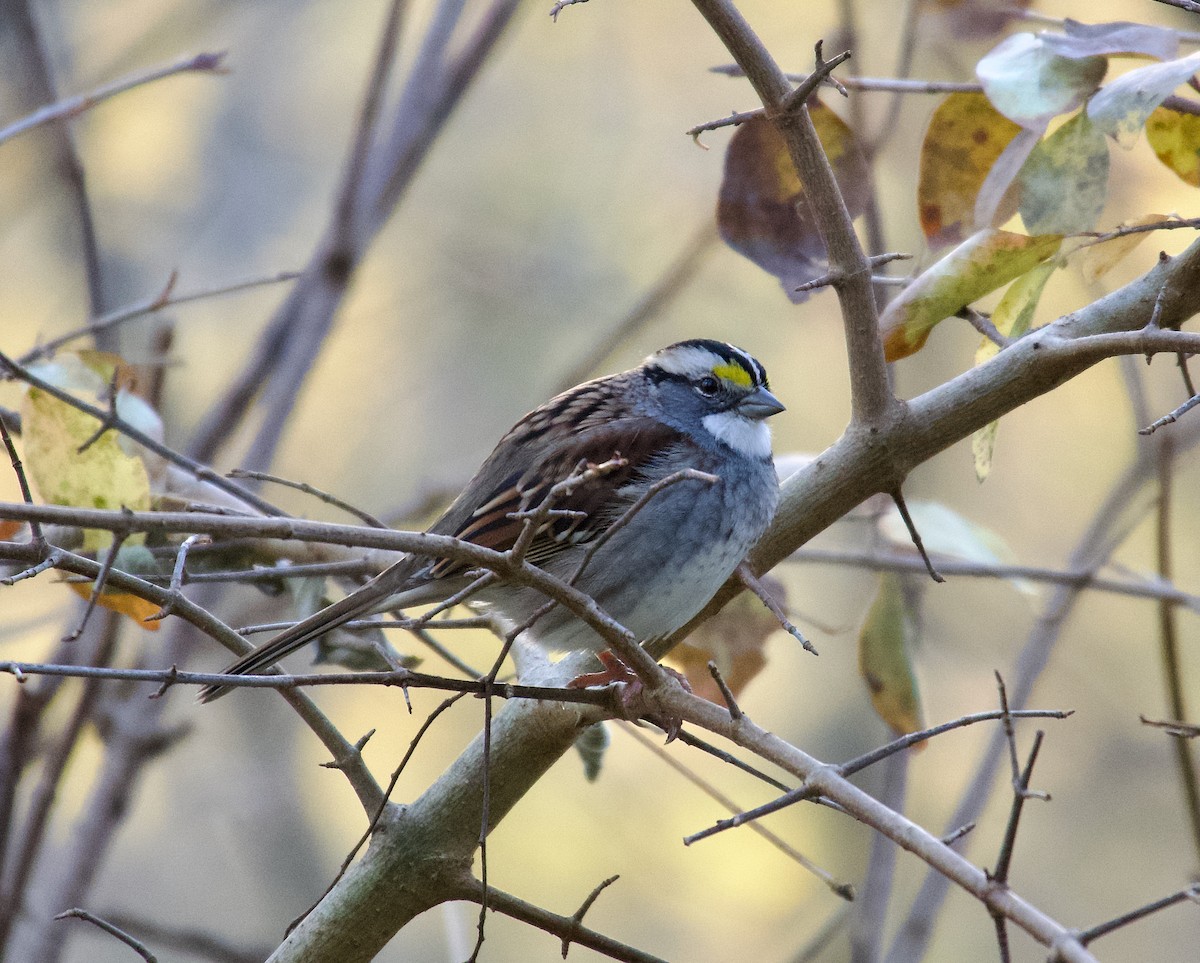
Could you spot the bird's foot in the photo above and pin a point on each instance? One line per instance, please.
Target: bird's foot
(615, 670)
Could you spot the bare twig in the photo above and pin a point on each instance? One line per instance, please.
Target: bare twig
(579, 914)
(133, 944)
(1190, 894)
(164, 299)
(1171, 417)
(74, 106)
(307, 489)
(843, 890)
(735, 711)
(755, 585)
(898, 498)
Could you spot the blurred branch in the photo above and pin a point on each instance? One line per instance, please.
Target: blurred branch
(880, 84)
(208, 946)
(72, 107)
(1168, 635)
(360, 778)
(36, 78)
(1111, 524)
(1159, 590)
(378, 177)
(844, 890)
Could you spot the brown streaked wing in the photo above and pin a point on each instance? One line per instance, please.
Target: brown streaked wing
(638, 441)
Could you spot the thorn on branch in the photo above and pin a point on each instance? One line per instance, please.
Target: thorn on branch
(577, 917)
(735, 711)
(735, 119)
(170, 680)
(822, 73)
(898, 498)
(958, 834)
(983, 324)
(175, 590)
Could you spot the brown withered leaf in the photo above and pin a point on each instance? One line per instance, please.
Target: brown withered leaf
(980, 19)
(762, 212)
(734, 639)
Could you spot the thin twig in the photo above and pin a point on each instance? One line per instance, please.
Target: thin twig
(133, 944)
(755, 585)
(1171, 417)
(579, 914)
(844, 890)
(1190, 894)
(902, 507)
(735, 711)
(364, 516)
(74, 106)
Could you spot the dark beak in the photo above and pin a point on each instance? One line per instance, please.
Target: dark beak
(759, 404)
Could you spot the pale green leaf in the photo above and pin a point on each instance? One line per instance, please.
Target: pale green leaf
(1064, 183)
(1028, 82)
(1123, 106)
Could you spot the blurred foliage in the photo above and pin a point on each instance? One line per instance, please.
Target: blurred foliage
(558, 194)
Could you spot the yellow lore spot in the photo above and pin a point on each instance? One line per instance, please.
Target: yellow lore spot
(733, 372)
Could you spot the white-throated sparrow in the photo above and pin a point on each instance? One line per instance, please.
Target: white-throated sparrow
(697, 404)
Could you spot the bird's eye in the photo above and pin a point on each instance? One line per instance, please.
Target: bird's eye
(708, 386)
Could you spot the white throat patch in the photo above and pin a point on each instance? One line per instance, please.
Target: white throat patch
(745, 436)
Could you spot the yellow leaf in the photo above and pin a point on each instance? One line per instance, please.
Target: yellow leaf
(1175, 138)
(983, 263)
(102, 475)
(884, 658)
(965, 136)
(135, 607)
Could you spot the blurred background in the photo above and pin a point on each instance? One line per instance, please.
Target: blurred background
(560, 191)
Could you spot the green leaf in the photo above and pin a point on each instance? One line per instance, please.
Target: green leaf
(1122, 108)
(1028, 82)
(983, 263)
(1064, 184)
(884, 657)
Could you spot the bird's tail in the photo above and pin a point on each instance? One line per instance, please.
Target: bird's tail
(375, 596)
